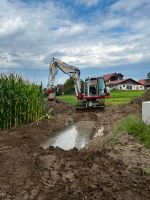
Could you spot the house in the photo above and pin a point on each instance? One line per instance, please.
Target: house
(145, 83)
(125, 84)
(113, 77)
(60, 88)
(116, 81)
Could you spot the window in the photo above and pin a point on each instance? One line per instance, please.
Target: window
(101, 86)
(92, 89)
(129, 87)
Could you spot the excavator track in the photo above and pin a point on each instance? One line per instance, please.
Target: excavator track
(90, 109)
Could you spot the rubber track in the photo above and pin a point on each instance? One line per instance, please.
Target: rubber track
(90, 109)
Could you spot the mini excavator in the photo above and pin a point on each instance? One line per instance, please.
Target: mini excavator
(94, 93)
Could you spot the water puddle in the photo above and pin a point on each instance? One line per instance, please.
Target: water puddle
(77, 136)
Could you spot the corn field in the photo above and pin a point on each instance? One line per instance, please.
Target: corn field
(20, 101)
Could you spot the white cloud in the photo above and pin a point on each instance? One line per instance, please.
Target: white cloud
(87, 3)
(31, 35)
(70, 30)
(126, 5)
(100, 55)
(9, 26)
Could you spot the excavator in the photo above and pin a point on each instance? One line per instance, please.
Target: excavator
(94, 93)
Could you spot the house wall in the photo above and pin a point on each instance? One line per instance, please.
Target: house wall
(128, 87)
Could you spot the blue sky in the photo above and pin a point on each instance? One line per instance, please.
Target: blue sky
(97, 36)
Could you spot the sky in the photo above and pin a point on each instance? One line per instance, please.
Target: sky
(97, 36)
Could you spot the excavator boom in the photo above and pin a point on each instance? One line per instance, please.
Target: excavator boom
(72, 71)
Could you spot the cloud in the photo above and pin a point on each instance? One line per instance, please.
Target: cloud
(87, 3)
(70, 30)
(31, 34)
(126, 5)
(10, 26)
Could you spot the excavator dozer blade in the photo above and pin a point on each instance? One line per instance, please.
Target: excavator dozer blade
(90, 109)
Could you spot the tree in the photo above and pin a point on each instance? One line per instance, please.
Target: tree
(69, 86)
(148, 75)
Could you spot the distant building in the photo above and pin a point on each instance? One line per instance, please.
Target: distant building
(113, 77)
(116, 81)
(145, 83)
(60, 86)
(125, 84)
(60, 89)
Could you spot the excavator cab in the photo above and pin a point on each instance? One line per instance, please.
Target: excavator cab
(94, 94)
(94, 88)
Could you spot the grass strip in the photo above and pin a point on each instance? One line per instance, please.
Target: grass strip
(135, 126)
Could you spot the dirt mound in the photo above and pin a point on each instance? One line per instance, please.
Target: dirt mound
(135, 106)
(139, 100)
(58, 107)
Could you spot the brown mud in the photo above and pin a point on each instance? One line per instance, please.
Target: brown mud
(101, 171)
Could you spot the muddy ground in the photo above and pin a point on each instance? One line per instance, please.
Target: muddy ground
(104, 170)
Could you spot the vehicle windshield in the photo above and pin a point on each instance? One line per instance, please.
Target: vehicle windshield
(101, 86)
(94, 87)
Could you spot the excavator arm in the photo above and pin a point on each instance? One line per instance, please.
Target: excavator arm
(72, 71)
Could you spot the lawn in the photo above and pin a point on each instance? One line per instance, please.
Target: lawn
(68, 99)
(123, 97)
(117, 97)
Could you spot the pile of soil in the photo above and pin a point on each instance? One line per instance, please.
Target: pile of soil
(135, 106)
(139, 100)
(58, 107)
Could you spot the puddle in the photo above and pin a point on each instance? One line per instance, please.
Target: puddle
(77, 136)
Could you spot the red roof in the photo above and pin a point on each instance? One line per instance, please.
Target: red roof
(121, 81)
(145, 82)
(108, 76)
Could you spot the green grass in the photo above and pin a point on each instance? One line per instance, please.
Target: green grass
(122, 97)
(146, 171)
(135, 126)
(117, 97)
(68, 99)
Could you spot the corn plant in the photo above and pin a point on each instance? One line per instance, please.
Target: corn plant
(20, 101)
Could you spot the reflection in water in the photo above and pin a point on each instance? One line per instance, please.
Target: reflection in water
(77, 136)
